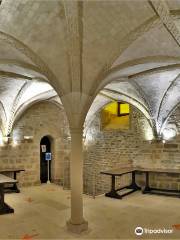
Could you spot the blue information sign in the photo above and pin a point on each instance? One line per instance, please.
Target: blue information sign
(48, 156)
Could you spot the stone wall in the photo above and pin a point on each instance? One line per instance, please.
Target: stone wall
(42, 119)
(103, 150)
(161, 155)
(164, 156)
(110, 149)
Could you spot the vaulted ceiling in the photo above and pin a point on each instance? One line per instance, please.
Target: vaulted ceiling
(90, 50)
(146, 74)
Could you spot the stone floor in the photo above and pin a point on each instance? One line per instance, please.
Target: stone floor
(41, 213)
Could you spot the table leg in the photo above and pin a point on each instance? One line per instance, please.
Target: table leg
(4, 208)
(1, 196)
(147, 187)
(133, 183)
(113, 183)
(15, 188)
(113, 193)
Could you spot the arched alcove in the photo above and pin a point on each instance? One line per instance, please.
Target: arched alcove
(45, 164)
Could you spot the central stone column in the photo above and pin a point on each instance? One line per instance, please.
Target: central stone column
(76, 223)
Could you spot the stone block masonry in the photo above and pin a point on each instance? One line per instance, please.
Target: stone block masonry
(41, 119)
(103, 149)
(108, 149)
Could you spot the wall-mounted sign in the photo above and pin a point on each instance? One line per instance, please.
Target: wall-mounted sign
(43, 148)
(48, 156)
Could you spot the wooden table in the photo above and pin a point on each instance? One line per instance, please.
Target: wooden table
(159, 191)
(4, 208)
(14, 187)
(134, 187)
(119, 172)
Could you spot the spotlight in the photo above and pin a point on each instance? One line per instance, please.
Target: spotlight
(28, 137)
(169, 133)
(6, 139)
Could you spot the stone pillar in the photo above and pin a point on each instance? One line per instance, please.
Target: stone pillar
(76, 223)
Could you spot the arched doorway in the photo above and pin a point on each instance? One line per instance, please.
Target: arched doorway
(45, 147)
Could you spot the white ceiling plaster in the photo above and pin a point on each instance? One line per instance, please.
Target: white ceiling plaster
(101, 37)
(127, 89)
(156, 42)
(154, 86)
(33, 90)
(173, 4)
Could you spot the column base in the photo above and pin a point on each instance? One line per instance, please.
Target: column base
(77, 228)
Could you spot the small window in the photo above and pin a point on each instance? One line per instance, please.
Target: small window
(123, 109)
(115, 115)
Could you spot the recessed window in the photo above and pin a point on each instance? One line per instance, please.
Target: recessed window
(115, 115)
(123, 109)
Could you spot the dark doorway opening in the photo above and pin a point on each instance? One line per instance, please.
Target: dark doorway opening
(45, 146)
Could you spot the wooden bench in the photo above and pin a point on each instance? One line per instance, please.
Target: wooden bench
(134, 187)
(4, 208)
(13, 188)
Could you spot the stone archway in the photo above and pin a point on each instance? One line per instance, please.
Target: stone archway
(45, 165)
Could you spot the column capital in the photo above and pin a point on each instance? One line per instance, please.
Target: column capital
(76, 130)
